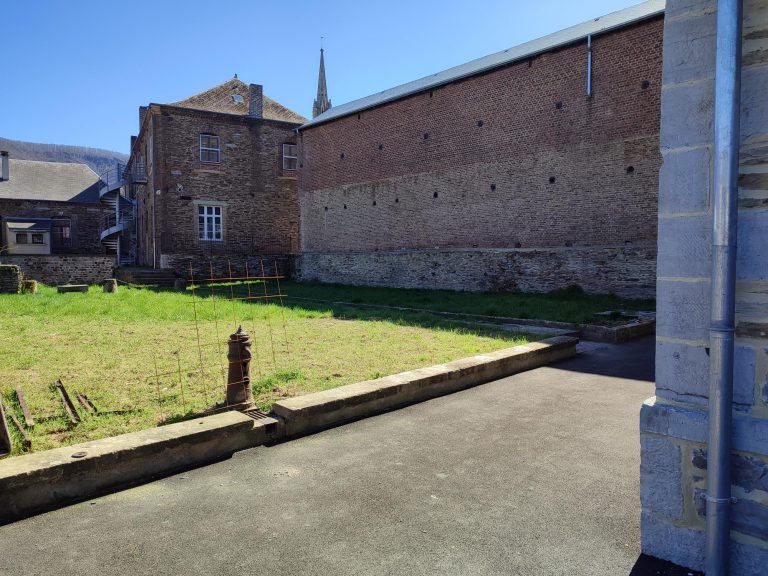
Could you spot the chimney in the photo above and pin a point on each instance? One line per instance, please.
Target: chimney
(5, 171)
(142, 114)
(255, 101)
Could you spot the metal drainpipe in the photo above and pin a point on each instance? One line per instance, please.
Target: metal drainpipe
(724, 221)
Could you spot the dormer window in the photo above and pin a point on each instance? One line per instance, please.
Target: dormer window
(290, 156)
(209, 149)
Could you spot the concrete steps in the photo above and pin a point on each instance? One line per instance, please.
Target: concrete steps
(145, 276)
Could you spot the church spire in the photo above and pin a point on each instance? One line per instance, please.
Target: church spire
(322, 103)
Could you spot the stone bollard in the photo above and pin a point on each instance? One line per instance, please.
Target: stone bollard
(29, 286)
(109, 285)
(239, 394)
(180, 284)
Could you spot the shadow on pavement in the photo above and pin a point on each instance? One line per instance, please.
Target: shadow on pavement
(650, 566)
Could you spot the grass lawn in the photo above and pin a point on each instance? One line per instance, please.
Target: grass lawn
(142, 350)
(569, 305)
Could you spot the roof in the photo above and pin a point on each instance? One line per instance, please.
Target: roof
(29, 224)
(58, 181)
(219, 99)
(566, 36)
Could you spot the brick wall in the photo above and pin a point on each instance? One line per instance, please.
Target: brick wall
(86, 219)
(516, 158)
(260, 200)
(673, 424)
(63, 269)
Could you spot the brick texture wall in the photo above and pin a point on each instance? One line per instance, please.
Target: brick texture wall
(10, 279)
(86, 219)
(261, 200)
(63, 269)
(518, 157)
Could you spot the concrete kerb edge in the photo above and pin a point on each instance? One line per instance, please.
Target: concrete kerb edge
(42, 481)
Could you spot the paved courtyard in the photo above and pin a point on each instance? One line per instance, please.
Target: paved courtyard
(532, 474)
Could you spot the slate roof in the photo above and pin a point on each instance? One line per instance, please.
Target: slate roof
(546, 43)
(59, 181)
(219, 99)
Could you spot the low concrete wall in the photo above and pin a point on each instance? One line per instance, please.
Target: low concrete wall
(627, 271)
(36, 482)
(313, 412)
(64, 269)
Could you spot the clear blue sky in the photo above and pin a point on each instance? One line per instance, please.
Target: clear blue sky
(76, 71)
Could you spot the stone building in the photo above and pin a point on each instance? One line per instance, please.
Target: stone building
(674, 424)
(215, 173)
(530, 169)
(50, 220)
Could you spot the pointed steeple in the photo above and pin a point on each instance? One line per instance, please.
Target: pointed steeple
(322, 103)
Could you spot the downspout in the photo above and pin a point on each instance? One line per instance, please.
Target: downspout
(721, 335)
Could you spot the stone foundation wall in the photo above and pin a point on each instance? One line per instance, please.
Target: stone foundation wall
(10, 279)
(222, 266)
(625, 271)
(64, 269)
(673, 424)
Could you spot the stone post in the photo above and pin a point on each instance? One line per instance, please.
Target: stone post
(109, 285)
(239, 394)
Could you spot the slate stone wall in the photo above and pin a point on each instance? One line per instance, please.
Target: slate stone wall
(674, 423)
(10, 279)
(60, 269)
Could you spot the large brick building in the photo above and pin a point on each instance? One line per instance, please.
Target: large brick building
(530, 169)
(213, 173)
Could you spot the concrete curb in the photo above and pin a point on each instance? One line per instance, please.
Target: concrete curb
(44, 480)
(40, 481)
(313, 412)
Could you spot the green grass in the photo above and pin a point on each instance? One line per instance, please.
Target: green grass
(143, 351)
(569, 305)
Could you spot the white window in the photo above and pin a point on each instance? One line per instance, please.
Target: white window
(209, 148)
(209, 222)
(290, 156)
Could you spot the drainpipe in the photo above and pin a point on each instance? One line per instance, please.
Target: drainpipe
(721, 335)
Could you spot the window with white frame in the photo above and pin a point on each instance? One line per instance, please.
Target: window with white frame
(209, 148)
(290, 156)
(209, 222)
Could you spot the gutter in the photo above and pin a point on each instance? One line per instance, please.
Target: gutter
(723, 278)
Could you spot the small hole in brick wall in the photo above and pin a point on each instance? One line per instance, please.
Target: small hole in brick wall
(434, 195)
(374, 202)
(630, 169)
(479, 123)
(397, 200)
(518, 245)
(431, 93)
(569, 243)
(326, 208)
(558, 105)
(493, 186)
(530, 63)
(645, 84)
(381, 146)
(358, 116)
(551, 179)
(342, 155)
(345, 206)
(301, 165)
(426, 135)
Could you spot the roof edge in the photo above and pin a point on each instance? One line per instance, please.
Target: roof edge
(634, 16)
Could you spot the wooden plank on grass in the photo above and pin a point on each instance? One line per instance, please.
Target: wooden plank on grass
(69, 407)
(24, 438)
(28, 420)
(6, 444)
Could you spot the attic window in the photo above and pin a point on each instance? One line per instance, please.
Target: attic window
(237, 99)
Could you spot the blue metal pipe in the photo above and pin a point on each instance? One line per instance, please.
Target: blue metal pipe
(723, 307)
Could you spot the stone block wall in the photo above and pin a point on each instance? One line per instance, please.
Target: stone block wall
(674, 423)
(628, 271)
(60, 269)
(519, 157)
(10, 279)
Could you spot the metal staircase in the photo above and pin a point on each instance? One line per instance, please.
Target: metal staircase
(118, 233)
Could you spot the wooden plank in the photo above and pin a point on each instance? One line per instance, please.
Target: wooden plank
(86, 403)
(69, 407)
(24, 438)
(28, 420)
(6, 444)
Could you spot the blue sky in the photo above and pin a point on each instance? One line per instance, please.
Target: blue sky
(75, 72)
